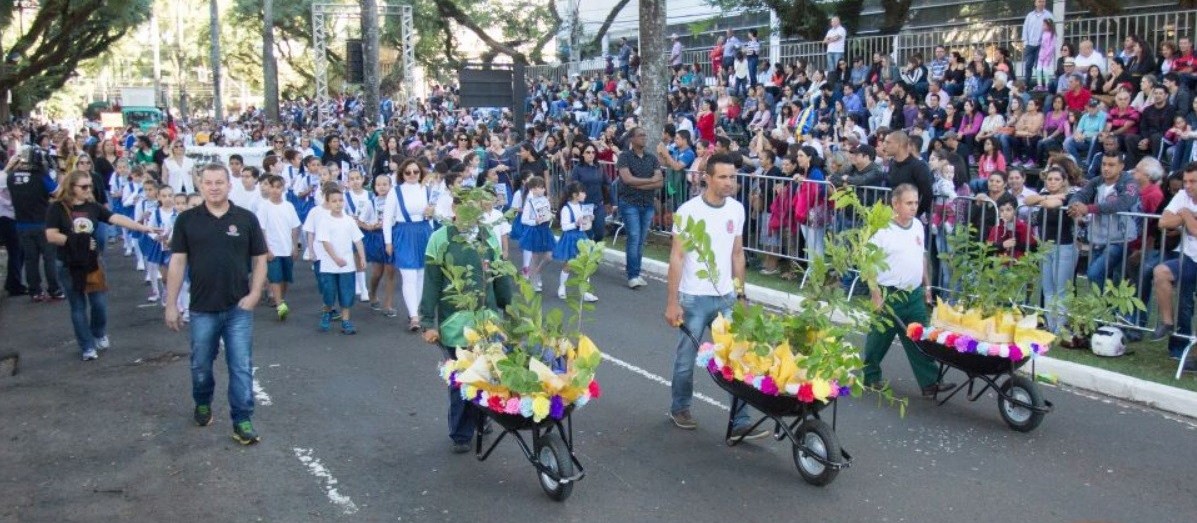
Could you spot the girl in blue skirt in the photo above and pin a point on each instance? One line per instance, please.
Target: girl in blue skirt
(406, 227)
(537, 241)
(382, 265)
(574, 227)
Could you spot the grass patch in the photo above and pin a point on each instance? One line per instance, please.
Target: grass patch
(1149, 361)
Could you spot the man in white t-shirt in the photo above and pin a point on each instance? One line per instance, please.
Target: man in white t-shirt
(1180, 212)
(907, 291)
(693, 302)
(836, 39)
(280, 225)
(340, 253)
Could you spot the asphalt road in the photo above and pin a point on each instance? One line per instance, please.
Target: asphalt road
(354, 430)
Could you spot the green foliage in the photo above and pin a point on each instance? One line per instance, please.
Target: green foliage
(812, 330)
(988, 281)
(1088, 306)
(804, 18)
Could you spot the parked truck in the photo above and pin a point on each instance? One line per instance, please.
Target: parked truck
(139, 107)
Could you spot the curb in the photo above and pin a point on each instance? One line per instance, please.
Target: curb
(1159, 396)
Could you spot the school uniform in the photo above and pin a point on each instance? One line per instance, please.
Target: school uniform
(537, 237)
(372, 241)
(404, 226)
(164, 220)
(571, 233)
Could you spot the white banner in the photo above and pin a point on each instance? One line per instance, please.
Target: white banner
(253, 156)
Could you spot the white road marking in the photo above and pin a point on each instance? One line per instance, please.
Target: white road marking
(147, 305)
(316, 468)
(260, 396)
(700, 396)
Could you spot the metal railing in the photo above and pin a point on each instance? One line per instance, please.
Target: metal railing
(1106, 33)
(779, 231)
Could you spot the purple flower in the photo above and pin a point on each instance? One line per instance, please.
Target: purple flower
(845, 390)
(557, 407)
(972, 345)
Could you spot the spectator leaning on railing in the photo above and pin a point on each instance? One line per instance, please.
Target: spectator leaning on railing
(1101, 200)
(1180, 212)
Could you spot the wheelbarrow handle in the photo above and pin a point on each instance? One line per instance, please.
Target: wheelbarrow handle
(689, 334)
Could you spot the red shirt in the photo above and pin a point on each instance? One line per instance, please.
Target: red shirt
(1076, 100)
(1117, 118)
(706, 127)
(1150, 198)
(1185, 63)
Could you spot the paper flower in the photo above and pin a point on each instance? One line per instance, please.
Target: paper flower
(806, 393)
(914, 331)
(526, 407)
(557, 407)
(540, 408)
(495, 403)
(768, 386)
(594, 390)
(821, 389)
(512, 406)
(845, 390)
(582, 401)
(727, 373)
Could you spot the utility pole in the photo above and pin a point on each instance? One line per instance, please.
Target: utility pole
(269, 65)
(653, 63)
(370, 60)
(214, 36)
(157, 48)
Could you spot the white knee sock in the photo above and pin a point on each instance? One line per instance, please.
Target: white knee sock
(564, 277)
(527, 260)
(413, 288)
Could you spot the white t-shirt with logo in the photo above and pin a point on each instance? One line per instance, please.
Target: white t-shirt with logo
(723, 224)
(278, 221)
(1183, 201)
(340, 232)
(904, 250)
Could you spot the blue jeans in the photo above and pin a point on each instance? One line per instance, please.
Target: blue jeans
(235, 326)
(697, 313)
(1058, 269)
(1030, 57)
(832, 60)
(1073, 147)
(88, 327)
(1144, 279)
(752, 64)
(636, 219)
(599, 228)
(1104, 260)
(1184, 274)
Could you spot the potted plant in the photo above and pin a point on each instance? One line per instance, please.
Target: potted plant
(803, 352)
(1089, 306)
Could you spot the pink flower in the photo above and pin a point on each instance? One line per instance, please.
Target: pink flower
(594, 389)
(768, 386)
(727, 372)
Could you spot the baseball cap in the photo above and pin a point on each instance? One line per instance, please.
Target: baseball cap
(950, 135)
(1094, 103)
(866, 150)
(1069, 61)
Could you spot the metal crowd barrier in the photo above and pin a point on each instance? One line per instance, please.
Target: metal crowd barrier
(1127, 245)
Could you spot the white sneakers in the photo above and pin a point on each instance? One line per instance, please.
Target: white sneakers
(102, 343)
(636, 283)
(588, 297)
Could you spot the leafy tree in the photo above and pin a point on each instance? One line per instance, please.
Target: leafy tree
(61, 35)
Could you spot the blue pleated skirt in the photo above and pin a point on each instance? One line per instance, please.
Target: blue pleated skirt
(410, 240)
(376, 248)
(567, 246)
(151, 250)
(538, 238)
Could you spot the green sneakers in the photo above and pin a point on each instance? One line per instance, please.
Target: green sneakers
(244, 433)
(282, 310)
(203, 415)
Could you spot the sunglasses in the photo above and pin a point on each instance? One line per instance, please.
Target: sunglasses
(411, 171)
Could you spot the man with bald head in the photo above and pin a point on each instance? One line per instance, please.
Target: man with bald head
(1087, 56)
(906, 167)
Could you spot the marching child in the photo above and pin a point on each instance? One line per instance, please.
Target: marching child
(574, 224)
(381, 264)
(360, 207)
(340, 253)
(162, 219)
(280, 224)
(537, 241)
(145, 242)
(492, 217)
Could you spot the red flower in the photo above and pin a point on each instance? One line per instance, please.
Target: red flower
(806, 393)
(914, 331)
(594, 389)
(727, 372)
(495, 403)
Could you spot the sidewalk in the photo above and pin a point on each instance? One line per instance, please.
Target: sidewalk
(1163, 397)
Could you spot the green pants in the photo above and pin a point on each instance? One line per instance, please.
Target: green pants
(908, 308)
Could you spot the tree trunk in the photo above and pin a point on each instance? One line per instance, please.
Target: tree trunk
(653, 65)
(269, 65)
(214, 37)
(370, 60)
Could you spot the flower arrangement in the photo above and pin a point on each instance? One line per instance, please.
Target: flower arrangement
(526, 361)
(803, 352)
(988, 317)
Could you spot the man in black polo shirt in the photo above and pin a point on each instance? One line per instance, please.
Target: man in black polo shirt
(909, 168)
(216, 241)
(639, 178)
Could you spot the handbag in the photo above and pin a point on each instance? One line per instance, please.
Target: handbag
(97, 281)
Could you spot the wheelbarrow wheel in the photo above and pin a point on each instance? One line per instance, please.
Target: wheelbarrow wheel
(554, 455)
(821, 441)
(1018, 417)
